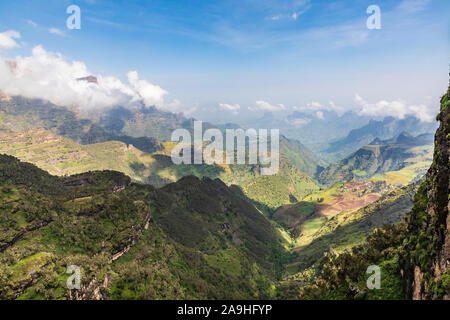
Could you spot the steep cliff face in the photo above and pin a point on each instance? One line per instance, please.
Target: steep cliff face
(426, 258)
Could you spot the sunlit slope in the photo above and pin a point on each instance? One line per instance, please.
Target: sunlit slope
(397, 161)
(62, 156)
(194, 239)
(349, 228)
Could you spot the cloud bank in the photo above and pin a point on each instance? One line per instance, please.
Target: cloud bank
(7, 39)
(318, 108)
(233, 108)
(299, 122)
(397, 108)
(50, 76)
(266, 106)
(56, 31)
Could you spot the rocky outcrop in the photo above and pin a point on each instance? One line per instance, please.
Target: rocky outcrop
(89, 79)
(426, 259)
(96, 289)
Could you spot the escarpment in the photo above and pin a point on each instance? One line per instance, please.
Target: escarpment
(426, 259)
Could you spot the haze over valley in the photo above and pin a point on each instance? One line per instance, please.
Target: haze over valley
(96, 106)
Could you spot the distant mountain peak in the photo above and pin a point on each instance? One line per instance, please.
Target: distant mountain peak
(404, 137)
(388, 119)
(89, 79)
(376, 141)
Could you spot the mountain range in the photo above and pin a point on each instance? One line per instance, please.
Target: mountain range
(191, 239)
(57, 140)
(411, 255)
(334, 136)
(96, 194)
(384, 129)
(399, 161)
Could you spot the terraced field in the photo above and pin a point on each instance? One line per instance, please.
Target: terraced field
(62, 156)
(348, 228)
(303, 219)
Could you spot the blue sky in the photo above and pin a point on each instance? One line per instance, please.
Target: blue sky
(212, 54)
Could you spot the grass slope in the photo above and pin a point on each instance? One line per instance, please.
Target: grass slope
(132, 241)
(397, 161)
(62, 156)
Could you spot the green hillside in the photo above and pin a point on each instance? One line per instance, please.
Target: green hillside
(103, 146)
(195, 231)
(350, 228)
(62, 156)
(376, 129)
(19, 114)
(303, 219)
(191, 239)
(306, 161)
(412, 255)
(397, 161)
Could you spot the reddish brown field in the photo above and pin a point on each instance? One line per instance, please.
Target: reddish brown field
(344, 201)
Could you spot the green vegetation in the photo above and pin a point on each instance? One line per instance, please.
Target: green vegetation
(397, 161)
(203, 237)
(21, 114)
(428, 229)
(61, 156)
(344, 276)
(409, 253)
(49, 136)
(198, 239)
(349, 228)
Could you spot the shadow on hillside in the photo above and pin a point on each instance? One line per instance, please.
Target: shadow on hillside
(376, 215)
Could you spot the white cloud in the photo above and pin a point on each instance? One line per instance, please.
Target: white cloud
(7, 39)
(56, 31)
(289, 9)
(397, 108)
(338, 109)
(309, 107)
(50, 76)
(412, 6)
(318, 108)
(319, 115)
(295, 15)
(299, 122)
(151, 94)
(266, 106)
(234, 108)
(177, 107)
(32, 23)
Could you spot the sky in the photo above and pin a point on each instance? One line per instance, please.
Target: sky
(231, 60)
